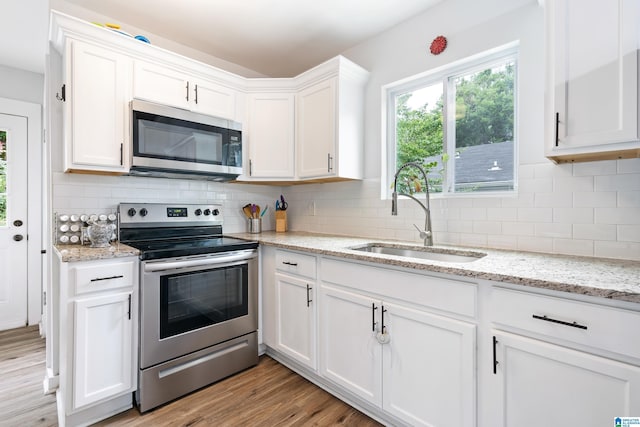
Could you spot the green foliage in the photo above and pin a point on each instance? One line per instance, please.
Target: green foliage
(484, 107)
(484, 114)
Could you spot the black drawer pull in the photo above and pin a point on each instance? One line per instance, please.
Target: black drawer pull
(561, 322)
(295, 264)
(107, 278)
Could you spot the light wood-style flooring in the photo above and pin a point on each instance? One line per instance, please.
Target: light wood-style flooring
(266, 395)
(22, 368)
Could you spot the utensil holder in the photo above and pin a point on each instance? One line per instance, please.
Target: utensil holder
(281, 221)
(255, 225)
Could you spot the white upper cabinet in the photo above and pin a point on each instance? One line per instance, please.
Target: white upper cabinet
(592, 79)
(308, 128)
(270, 135)
(316, 130)
(168, 86)
(97, 83)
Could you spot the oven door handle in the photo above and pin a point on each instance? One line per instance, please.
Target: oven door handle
(208, 261)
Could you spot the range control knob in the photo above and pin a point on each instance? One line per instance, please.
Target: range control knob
(144, 212)
(207, 212)
(198, 212)
(131, 212)
(215, 212)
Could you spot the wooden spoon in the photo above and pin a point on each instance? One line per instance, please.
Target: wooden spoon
(247, 210)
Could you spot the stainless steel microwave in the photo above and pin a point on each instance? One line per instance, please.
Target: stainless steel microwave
(172, 142)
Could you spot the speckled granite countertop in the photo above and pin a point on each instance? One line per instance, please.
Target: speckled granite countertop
(606, 278)
(72, 253)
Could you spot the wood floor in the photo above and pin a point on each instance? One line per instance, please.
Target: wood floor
(266, 395)
(22, 368)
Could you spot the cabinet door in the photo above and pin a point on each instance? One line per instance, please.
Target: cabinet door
(213, 99)
(429, 368)
(295, 319)
(103, 353)
(163, 85)
(541, 384)
(316, 132)
(350, 354)
(97, 129)
(270, 135)
(594, 74)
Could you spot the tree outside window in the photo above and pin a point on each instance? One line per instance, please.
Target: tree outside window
(461, 128)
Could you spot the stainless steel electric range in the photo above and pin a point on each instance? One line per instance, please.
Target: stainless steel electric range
(198, 298)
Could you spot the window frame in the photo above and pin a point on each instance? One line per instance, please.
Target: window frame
(443, 75)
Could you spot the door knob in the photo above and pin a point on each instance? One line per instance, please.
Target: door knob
(18, 237)
(17, 223)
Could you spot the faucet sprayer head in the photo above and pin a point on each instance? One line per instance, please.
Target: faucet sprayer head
(394, 203)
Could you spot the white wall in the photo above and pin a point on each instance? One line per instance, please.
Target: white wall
(21, 85)
(590, 209)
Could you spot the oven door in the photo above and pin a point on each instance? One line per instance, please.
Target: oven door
(191, 303)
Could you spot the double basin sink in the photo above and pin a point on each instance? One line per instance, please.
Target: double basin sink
(426, 253)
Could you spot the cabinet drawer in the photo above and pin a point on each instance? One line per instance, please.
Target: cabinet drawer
(448, 295)
(588, 324)
(104, 275)
(296, 263)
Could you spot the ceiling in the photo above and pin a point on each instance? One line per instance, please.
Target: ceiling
(276, 38)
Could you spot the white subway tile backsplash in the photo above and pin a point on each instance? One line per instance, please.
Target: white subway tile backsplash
(518, 228)
(474, 214)
(502, 214)
(535, 244)
(535, 214)
(591, 199)
(625, 216)
(629, 233)
(571, 184)
(629, 199)
(573, 215)
(594, 232)
(553, 230)
(553, 200)
(629, 165)
(502, 242)
(617, 250)
(487, 227)
(460, 226)
(535, 185)
(573, 247)
(604, 167)
(621, 182)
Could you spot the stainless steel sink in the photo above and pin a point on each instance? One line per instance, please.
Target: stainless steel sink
(434, 254)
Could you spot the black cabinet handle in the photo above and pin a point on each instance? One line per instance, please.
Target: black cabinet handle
(495, 361)
(329, 162)
(294, 264)
(309, 300)
(557, 126)
(384, 310)
(129, 312)
(373, 316)
(250, 167)
(107, 278)
(195, 88)
(560, 322)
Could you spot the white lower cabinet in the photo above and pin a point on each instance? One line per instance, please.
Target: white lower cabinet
(542, 384)
(416, 366)
(295, 319)
(102, 348)
(98, 346)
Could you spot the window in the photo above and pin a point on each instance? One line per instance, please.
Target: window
(459, 123)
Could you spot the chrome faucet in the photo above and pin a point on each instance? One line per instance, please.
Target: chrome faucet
(427, 233)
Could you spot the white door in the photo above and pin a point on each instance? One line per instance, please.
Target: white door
(542, 384)
(295, 319)
(350, 354)
(428, 368)
(13, 221)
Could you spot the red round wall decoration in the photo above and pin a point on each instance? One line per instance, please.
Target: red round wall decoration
(438, 45)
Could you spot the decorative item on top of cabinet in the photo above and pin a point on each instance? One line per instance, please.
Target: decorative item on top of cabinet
(592, 80)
